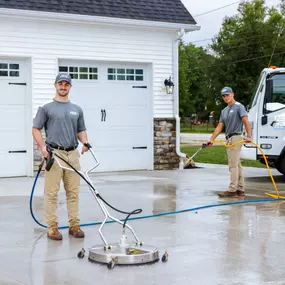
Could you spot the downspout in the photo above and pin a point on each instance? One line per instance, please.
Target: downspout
(176, 96)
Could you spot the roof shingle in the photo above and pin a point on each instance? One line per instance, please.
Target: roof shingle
(172, 11)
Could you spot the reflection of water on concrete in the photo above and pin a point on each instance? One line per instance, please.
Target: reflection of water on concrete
(254, 233)
(277, 213)
(271, 266)
(234, 259)
(165, 200)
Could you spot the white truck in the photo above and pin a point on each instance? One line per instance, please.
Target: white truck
(267, 119)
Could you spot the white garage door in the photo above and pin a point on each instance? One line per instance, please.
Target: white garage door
(13, 112)
(116, 101)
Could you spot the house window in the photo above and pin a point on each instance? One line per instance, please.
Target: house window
(81, 72)
(9, 69)
(125, 74)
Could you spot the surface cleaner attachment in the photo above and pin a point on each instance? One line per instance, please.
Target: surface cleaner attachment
(123, 252)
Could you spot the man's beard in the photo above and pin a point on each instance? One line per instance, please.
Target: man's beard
(62, 93)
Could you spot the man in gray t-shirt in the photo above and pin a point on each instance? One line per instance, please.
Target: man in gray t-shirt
(62, 122)
(233, 117)
(64, 125)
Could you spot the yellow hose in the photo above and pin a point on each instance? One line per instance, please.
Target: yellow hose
(277, 196)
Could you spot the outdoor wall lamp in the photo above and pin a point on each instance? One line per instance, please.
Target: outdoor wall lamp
(169, 85)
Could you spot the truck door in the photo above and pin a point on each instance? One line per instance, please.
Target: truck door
(271, 123)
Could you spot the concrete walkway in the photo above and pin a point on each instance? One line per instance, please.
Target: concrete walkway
(241, 244)
(195, 139)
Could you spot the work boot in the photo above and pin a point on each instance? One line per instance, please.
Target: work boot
(54, 234)
(240, 193)
(228, 194)
(76, 232)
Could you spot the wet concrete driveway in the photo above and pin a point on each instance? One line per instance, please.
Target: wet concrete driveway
(240, 244)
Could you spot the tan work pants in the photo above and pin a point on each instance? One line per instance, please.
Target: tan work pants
(235, 168)
(71, 181)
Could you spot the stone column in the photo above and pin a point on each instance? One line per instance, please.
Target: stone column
(37, 154)
(165, 157)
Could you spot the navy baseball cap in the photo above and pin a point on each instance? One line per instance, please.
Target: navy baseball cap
(63, 77)
(226, 90)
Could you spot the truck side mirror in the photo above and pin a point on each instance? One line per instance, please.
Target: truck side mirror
(268, 97)
(268, 91)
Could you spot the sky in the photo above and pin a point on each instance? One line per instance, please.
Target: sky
(211, 23)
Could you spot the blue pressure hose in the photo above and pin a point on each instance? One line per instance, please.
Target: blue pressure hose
(154, 215)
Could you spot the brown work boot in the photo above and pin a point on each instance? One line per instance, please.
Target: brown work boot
(76, 232)
(54, 234)
(228, 194)
(240, 193)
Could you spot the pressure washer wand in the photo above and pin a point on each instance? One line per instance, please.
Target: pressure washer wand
(202, 146)
(190, 159)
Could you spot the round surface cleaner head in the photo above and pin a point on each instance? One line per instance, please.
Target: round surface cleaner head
(129, 254)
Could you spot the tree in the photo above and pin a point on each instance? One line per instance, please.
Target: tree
(194, 82)
(247, 43)
(251, 40)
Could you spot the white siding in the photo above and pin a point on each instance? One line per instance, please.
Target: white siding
(47, 42)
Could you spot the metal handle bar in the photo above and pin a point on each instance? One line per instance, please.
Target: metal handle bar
(84, 173)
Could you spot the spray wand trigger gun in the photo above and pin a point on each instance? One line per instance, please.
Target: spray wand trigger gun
(209, 143)
(204, 145)
(50, 160)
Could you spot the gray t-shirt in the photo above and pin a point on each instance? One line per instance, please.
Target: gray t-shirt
(62, 121)
(231, 118)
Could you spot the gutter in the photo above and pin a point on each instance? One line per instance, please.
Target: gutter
(91, 20)
(181, 33)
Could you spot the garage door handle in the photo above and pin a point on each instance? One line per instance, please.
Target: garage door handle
(15, 83)
(140, 87)
(105, 115)
(139, 147)
(17, 151)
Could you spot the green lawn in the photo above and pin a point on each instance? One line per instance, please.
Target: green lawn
(203, 129)
(215, 155)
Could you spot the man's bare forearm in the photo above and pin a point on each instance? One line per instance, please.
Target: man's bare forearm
(217, 131)
(82, 136)
(38, 138)
(247, 126)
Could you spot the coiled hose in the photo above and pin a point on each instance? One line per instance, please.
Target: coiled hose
(276, 197)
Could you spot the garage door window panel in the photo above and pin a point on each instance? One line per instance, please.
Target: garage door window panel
(9, 70)
(81, 72)
(123, 74)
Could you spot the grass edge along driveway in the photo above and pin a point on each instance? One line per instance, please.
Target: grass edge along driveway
(216, 155)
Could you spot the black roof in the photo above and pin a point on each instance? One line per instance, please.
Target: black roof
(172, 11)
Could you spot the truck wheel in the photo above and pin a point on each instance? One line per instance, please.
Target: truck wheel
(280, 165)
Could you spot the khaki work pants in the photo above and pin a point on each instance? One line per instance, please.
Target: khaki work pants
(235, 168)
(71, 181)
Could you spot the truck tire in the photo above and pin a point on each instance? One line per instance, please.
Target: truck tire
(280, 165)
